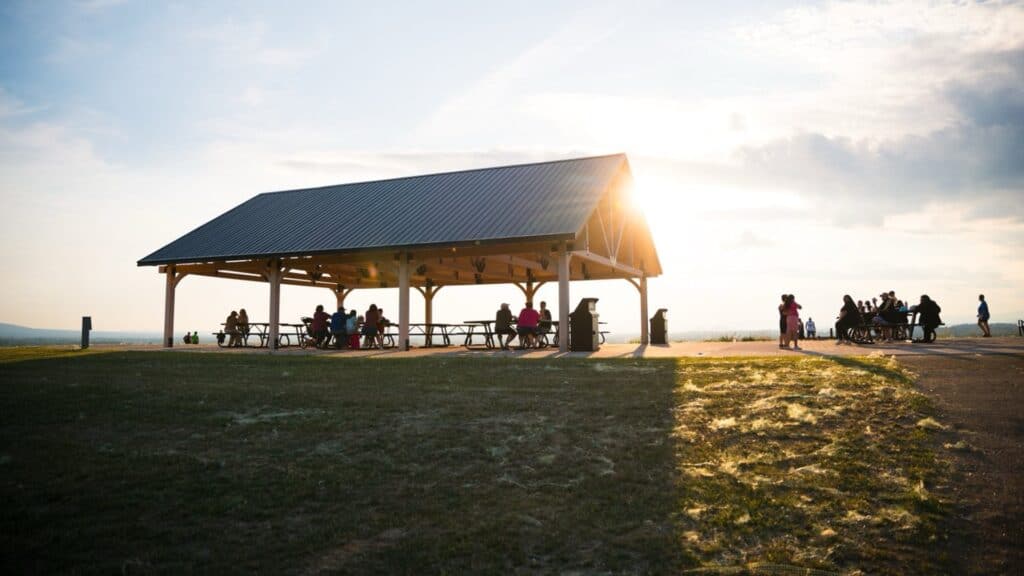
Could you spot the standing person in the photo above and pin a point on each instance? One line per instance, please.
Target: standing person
(339, 327)
(928, 315)
(800, 330)
(231, 328)
(812, 331)
(782, 321)
(849, 318)
(983, 317)
(503, 326)
(792, 322)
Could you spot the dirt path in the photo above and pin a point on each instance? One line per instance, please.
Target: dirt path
(982, 397)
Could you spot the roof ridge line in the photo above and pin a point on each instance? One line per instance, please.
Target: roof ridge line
(623, 154)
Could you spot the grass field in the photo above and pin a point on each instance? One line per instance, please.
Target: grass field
(171, 462)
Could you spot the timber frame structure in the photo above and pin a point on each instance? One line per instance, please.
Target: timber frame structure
(611, 241)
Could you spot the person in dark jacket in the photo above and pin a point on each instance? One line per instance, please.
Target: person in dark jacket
(503, 326)
(339, 327)
(849, 318)
(928, 317)
(318, 327)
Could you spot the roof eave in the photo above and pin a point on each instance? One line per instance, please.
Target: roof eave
(568, 236)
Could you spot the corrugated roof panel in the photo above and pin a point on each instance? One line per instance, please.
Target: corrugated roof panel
(507, 202)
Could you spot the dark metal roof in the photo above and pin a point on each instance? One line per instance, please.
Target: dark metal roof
(528, 201)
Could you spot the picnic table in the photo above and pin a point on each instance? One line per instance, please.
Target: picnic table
(431, 331)
(483, 328)
(865, 332)
(258, 329)
(261, 330)
(479, 328)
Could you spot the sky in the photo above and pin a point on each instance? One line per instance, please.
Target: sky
(818, 149)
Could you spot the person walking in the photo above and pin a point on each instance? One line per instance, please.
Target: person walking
(983, 317)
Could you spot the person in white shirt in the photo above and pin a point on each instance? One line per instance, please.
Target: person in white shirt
(811, 331)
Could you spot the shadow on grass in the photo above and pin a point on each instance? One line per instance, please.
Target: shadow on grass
(185, 462)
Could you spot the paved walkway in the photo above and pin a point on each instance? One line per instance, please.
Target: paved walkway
(949, 347)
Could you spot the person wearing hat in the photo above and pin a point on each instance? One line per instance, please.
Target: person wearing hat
(503, 326)
(887, 316)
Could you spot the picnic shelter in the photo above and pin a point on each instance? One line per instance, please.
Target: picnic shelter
(529, 224)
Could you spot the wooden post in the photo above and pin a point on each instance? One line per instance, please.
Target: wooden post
(645, 338)
(403, 302)
(169, 307)
(339, 295)
(274, 278)
(563, 299)
(428, 305)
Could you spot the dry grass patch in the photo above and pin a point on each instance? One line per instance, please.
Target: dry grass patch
(817, 463)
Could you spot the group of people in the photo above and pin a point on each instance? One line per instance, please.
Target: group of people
(886, 316)
(789, 322)
(344, 329)
(530, 324)
(236, 326)
(191, 337)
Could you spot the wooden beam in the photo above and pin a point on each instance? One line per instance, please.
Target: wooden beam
(604, 261)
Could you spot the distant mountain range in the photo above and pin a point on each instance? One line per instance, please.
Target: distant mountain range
(14, 335)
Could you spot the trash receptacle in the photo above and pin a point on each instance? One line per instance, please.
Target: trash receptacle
(584, 332)
(86, 327)
(659, 327)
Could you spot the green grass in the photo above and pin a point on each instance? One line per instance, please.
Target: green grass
(175, 462)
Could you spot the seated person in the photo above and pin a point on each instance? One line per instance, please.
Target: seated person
(339, 327)
(545, 318)
(382, 327)
(352, 326)
(231, 329)
(243, 324)
(503, 326)
(318, 327)
(370, 331)
(188, 337)
(887, 315)
(849, 319)
(528, 325)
